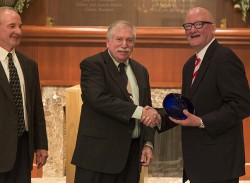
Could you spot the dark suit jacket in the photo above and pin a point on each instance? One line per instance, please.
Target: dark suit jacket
(8, 115)
(221, 97)
(105, 131)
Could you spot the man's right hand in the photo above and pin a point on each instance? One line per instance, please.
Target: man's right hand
(150, 117)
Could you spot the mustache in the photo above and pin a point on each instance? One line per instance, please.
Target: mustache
(124, 49)
(17, 35)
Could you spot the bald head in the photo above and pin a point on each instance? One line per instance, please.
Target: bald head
(4, 9)
(199, 27)
(200, 13)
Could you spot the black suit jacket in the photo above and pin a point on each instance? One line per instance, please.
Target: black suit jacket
(105, 129)
(221, 97)
(8, 115)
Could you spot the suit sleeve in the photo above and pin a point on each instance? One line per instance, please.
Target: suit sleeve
(234, 90)
(40, 134)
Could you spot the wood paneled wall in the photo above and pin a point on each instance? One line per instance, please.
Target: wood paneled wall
(59, 51)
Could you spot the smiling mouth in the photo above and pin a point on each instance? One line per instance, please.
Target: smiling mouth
(124, 51)
(16, 37)
(194, 36)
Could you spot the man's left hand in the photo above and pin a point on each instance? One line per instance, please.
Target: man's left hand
(147, 156)
(41, 157)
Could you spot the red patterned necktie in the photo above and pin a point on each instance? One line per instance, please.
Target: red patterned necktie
(196, 68)
(17, 94)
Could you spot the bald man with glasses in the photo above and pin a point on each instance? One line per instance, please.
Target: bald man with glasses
(214, 79)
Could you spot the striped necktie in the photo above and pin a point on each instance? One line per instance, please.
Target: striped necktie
(196, 67)
(17, 94)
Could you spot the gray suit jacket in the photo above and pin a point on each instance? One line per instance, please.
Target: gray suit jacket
(8, 115)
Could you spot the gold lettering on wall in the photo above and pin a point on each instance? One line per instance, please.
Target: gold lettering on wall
(181, 6)
(99, 5)
(149, 13)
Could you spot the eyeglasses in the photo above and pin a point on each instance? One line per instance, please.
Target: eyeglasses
(197, 25)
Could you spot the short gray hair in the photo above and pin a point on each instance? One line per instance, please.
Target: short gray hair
(122, 23)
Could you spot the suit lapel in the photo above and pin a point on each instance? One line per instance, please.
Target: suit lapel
(23, 64)
(139, 79)
(114, 73)
(26, 69)
(4, 83)
(203, 68)
(187, 82)
(200, 74)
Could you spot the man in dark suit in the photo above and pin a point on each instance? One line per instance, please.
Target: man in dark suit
(112, 143)
(212, 138)
(18, 144)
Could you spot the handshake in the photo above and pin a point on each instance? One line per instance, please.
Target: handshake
(150, 117)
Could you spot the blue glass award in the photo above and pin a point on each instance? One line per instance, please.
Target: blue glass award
(175, 103)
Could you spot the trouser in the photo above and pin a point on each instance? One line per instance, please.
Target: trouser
(130, 174)
(20, 173)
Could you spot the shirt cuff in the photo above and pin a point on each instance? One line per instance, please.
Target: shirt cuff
(138, 112)
(149, 144)
(159, 125)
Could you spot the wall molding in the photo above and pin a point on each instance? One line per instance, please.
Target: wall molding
(145, 35)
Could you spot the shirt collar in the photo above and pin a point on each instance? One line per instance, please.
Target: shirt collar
(201, 54)
(117, 63)
(4, 53)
